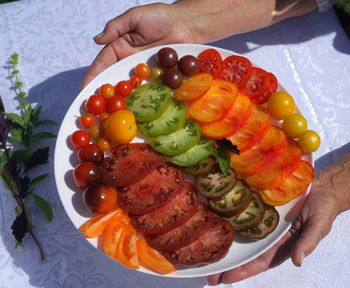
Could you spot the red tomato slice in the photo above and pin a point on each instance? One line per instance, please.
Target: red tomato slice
(213, 105)
(210, 61)
(271, 85)
(256, 85)
(236, 69)
(194, 87)
(251, 133)
(126, 248)
(235, 118)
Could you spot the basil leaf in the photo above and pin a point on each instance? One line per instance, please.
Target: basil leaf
(44, 206)
(19, 227)
(38, 179)
(42, 135)
(223, 158)
(39, 157)
(15, 118)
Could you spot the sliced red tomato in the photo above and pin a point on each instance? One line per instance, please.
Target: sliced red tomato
(213, 105)
(194, 87)
(271, 85)
(126, 248)
(96, 226)
(256, 86)
(129, 163)
(236, 69)
(210, 61)
(235, 118)
(251, 133)
(152, 258)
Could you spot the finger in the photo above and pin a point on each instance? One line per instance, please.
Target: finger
(115, 28)
(214, 279)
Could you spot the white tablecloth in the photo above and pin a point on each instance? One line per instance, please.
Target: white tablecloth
(310, 57)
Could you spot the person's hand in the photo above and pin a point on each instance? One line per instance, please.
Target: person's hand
(329, 196)
(137, 29)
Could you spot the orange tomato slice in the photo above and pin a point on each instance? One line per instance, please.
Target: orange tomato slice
(213, 105)
(96, 226)
(194, 87)
(126, 248)
(275, 197)
(152, 258)
(235, 118)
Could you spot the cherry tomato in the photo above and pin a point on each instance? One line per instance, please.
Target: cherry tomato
(166, 57)
(95, 131)
(95, 104)
(142, 70)
(107, 91)
(102, 117)
(87, 120)
(188, 65)
(79, 139)
(103, 144)
(120, 127)
(309, 141)
(115, 103)
(91, 153)
(280, 105)
(173, 77)
(210, 61)
(157, 73)
(135, 81)
(294, 125)
(100, 198)
(85, 174)
(123, 88)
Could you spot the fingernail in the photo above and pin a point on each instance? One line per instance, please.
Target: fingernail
(302, 257)
(98, 36)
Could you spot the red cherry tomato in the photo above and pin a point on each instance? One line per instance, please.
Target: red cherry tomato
(107, 91)
(95, 104)
(87, 120)
(86, 174)
(91, 153)
(236, 69)
(123, 88)
(210, 61)
(100, 198)
(79, 139)
(115, 103)
(135, 81)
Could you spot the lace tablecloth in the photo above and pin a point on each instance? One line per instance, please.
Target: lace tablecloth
(310, 57)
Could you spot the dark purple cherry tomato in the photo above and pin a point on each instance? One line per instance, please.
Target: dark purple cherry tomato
(188, 65)
(100, 198)
(167, 57)
(173, 77)
(91, 153)
(85, 174)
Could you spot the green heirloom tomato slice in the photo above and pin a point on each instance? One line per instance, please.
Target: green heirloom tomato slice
(179, 141)
(202, 167)
(197, 153)
(173, 118)
(149, 101)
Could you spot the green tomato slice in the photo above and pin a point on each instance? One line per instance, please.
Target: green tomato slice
(197, 153)
(149, 101)
(179, 141)
(173, 118)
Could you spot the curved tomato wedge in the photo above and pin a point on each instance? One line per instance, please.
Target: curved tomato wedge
(251, 133)
(152, 258)
(126, 248)
(235, 118)
(236, 69)
(96, 226)
(213, 105)
(194, 87)
(210, 61)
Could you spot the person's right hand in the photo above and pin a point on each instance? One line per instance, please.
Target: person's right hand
(137, 29)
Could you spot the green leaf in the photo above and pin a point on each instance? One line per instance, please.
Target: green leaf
(223, 157)
(15, 118)
(39, 157)
(19, 84)
(19, 227)
(2, 158)
(38, 179)
(24, 105)
(14, 72)
(20, 156)
(42, 135)
(21, 95)
(44, 206)
(6, 176)
(18, 210)
(34, 116)
(17, 135)
(14, 59)
(45, 122)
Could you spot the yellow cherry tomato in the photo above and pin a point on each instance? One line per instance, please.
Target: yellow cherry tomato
(309, 141)
(294, 125)
(280, 105)
(95, 131)
(120, 127)
(103, 144)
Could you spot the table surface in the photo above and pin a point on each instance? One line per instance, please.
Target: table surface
(310, 57)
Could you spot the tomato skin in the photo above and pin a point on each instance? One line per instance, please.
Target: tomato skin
(106, 91)
(115, 103)
(86, 174)
(91, 153)
(123, 88)
(104, 144)
(236, 69)
(120, 127)
(79, 138)
(142, 70)
(95, 131)
(102, 117)
(100, 198)
(87, 120)
(135, 81)
(210, 61)
(294, 125)
(309, 141)
(96, 104)
(280, 105)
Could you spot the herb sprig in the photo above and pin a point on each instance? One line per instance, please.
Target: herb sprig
(18, 158)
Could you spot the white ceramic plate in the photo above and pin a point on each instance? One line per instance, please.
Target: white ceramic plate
(241, 250)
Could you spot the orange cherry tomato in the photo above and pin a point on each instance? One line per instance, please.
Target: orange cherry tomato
(213, 105)
(102, 117)
(235, 118)
(142, 70)
(152, 258)
(104, 144)
(126, 248)
(135, 81)
(107, 91)
(97, 225)
(87, 120)
(120, 127)
(95, 131)
(194, 87)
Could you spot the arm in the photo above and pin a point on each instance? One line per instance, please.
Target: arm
(187, 21)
